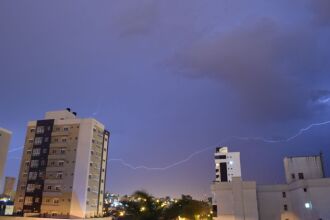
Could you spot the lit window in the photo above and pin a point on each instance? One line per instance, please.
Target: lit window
(28, 200)
(30, 187)
(36, 152)
(38, 140)
(308, 205)
(40, 129)
(34, 163)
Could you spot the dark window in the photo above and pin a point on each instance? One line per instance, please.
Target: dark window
(220, 157)
(285, 207)
(301, 176)
(284, 194)
(293, 176)
(215, 210)
(305, 189)
(223, 172)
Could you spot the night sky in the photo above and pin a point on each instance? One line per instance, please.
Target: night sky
(169, 78)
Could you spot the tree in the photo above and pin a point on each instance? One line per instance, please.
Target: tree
(142, 206)
(189, 209)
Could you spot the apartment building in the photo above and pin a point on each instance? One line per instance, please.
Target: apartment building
(233, 199)
(63, 167)
(5, 137)
(9, 186)
(227, 164)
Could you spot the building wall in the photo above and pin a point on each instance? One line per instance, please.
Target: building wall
(236, 200)
(227, 165)
(5, 137)
(9, 186)
(310, 167)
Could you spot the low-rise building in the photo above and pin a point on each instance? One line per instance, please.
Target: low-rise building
(304, 196)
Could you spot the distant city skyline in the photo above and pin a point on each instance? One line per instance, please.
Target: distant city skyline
(171, 80)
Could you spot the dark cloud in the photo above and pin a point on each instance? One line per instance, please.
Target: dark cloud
(268, 65)
(321, 10)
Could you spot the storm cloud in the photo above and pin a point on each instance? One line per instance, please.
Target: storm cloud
(273, 68)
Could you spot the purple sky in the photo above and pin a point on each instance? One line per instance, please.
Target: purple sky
(169, 78)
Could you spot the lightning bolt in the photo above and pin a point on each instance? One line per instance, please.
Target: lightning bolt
(189, 157)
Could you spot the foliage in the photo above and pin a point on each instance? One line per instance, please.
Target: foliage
(142, 206)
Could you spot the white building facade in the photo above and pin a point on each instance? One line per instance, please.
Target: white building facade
(305, 196)
(5, 137)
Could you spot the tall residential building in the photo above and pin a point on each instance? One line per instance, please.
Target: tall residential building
(9, 186)
(5, 137)
(305, 195)
(227, 164)
(63, 167)
(233, 199)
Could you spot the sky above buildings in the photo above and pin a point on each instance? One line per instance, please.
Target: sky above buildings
(171, 78)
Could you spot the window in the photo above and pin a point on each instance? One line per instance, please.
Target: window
(30, 187)
(301, 176)
(43, 163)
(28, 200)
(44, 151)
(49, 187)
(66, 129)
(57, 188)
(41, 175)
(61, 163)
(285, 207)
(24, 175)
(22, 187)
(284, 194)
(33, 175)
(20, 199)
(36, 152)
(30, 141)
(305, 189)
(34, 163)
(220, 157)
(293, 176)
(37, 200)
(28, 152)
(38, 140)
(40, 129)
(64, 140)
(56, 201)
(27, 163)
(59, 175)
(62, 150)
(32, 130)
(46, 139)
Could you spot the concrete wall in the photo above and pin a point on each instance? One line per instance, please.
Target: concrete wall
(310, 167)
(236, 200)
